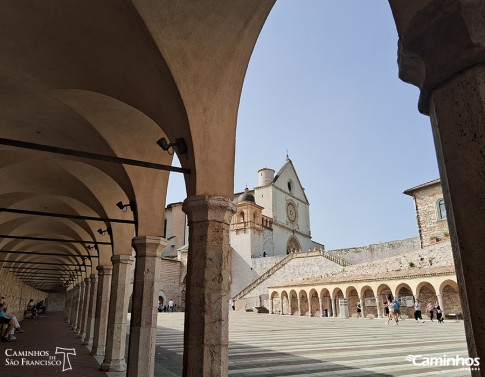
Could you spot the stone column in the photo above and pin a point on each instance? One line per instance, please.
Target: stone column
(67, 306)
(208, 280)
(88, 339)
(77, 302)
(80, 309)
(143, 325)
(378, 306)
(84, 316)
(299, 304)
(270, 305)
(101, 313)
(114, 358)
(320, 305)
(334, 309)
(442, 51)
(361, 300)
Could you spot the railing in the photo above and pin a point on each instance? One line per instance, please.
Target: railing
(285, 260)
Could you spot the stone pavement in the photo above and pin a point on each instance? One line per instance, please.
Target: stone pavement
(41, 338)
(277, 346)
(260, 345)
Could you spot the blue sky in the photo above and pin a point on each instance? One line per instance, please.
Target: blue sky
(323, 85)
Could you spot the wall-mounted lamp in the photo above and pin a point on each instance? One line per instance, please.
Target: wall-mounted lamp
(124, 207)
(179, 144)
(103, 232)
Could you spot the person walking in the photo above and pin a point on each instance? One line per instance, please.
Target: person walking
(170, 306)
(430, 310)
(359, 310)
(417, 311)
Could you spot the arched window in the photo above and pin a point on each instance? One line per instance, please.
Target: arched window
(241, 217)
(441, 209)
(293, 245)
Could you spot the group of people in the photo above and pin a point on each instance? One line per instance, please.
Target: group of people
(393, 313)
(12, 323)
(433, 310)
(164, 308)
(35, 309)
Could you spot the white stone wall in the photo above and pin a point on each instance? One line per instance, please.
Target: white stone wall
(439, 254)
(260, 265)
(369, 253)
(263, 197)
(297, 269)
(242, 273)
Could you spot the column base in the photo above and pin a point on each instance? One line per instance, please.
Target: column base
(97, 351)
(113, 366)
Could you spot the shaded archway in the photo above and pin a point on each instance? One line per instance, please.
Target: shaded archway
(275, 303)
(326, 302)
(352, 300)
(405, 296)
(337, 295)
(369, 298)
(314, 303)
(304, 304)
(450, 298)
(293, 297)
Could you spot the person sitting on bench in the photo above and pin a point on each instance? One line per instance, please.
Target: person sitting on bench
(40, 307)
(31, 308)
(3, 308)
(10, 328)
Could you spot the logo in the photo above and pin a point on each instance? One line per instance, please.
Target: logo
(66, 352)
(464, 363)
(43, 358)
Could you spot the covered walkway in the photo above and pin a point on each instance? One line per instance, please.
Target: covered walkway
(41, 337)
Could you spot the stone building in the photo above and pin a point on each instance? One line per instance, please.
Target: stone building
(430, 212)
(270, 221)
(417, 268)
(94, 94)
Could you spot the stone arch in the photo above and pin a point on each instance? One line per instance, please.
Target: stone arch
(426, 293)
(285, 303)
(406, 298)
(162, 297)
(450, 297)
(304, 304)
(293, 301)
(275, 303)
(337, 294)
(326, 302)
(293, 245)
(314, 303)
(352, 299)
(369, 299)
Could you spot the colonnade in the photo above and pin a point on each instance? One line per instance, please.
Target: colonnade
(323, 300)
(97, 306)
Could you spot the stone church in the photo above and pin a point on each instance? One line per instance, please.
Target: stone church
(271, 221)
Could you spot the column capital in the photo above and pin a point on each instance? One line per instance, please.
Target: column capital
(93, 277)
(87, 281)
(437, 40)
(149, 246)
(105, 270)
(126, 259)
(205, 207)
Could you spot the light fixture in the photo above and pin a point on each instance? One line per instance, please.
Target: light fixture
(179, 145)
(124, 207)
(103, 232)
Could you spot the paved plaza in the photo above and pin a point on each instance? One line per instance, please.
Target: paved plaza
(262, 345)
(274, 346)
